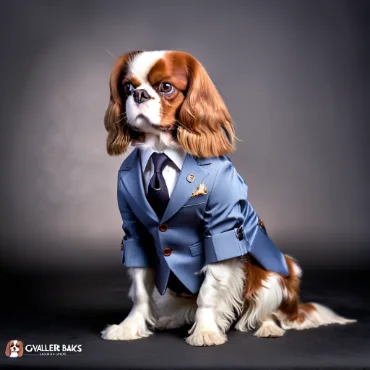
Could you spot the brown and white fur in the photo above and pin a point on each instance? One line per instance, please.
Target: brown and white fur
(14, 348)
(182, 107)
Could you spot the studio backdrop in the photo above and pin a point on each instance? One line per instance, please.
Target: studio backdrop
(294, 75)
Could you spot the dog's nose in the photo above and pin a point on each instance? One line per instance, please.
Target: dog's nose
(141, 96)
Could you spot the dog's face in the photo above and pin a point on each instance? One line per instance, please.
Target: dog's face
(168, 94)
(14, 348)
(154, 89)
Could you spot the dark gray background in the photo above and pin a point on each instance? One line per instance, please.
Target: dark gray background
(294, 75)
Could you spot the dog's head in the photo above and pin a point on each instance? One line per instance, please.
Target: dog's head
(14, 348)
(168, 94)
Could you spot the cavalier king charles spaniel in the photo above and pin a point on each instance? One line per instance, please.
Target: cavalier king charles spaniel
(14, 348)
(166, 99)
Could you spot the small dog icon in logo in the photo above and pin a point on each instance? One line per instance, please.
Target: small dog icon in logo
(14, 348)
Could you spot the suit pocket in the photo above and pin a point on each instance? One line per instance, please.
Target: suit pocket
(200, 199)
(196, 249)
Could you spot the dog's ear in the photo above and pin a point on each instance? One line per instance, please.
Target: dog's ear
(7, 349)
(119, 132)
(20, 353)
(205, 128)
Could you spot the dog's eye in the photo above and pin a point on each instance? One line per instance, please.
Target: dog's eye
(166, 88)
(128, 88)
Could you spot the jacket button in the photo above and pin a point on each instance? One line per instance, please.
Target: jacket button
(122, 246)
(163, 227)
(167, 251)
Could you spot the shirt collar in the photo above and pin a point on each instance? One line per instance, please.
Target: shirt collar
(177, 156)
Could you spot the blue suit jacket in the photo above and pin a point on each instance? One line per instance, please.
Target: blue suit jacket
(193, 231)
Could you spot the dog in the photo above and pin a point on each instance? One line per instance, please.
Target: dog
(14, 348)
(203, 256)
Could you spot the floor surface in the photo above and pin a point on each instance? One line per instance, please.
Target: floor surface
(56, 309)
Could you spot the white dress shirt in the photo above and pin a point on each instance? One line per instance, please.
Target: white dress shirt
(171, 171)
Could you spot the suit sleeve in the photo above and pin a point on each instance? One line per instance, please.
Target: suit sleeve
(136, 242)
(224, 215)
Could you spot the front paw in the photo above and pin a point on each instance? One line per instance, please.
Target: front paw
(269, 330)
(206, 338)
(126, 331)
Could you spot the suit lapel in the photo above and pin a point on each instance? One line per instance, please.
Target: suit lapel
(184, 188)
(133, 182)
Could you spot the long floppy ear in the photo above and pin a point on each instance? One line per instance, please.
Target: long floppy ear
(119, 132)
(7, 349)
(205, 126)
(20, 353)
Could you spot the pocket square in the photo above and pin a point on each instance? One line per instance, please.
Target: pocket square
(200, 190)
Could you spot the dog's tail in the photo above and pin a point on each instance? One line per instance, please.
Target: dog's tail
(301, 316)
(295, 315)
(312, 315)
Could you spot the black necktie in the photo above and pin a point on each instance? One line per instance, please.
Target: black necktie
(157, 190)
(158, 198)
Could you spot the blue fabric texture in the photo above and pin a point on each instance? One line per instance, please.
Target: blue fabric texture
(194, 231)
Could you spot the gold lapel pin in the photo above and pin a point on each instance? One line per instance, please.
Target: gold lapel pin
(200, 190)
(190, 177)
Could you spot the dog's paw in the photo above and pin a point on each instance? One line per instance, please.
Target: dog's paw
(206, 338)
(269, 330)
(125, 331)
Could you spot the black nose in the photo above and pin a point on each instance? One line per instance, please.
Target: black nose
(141, 96)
